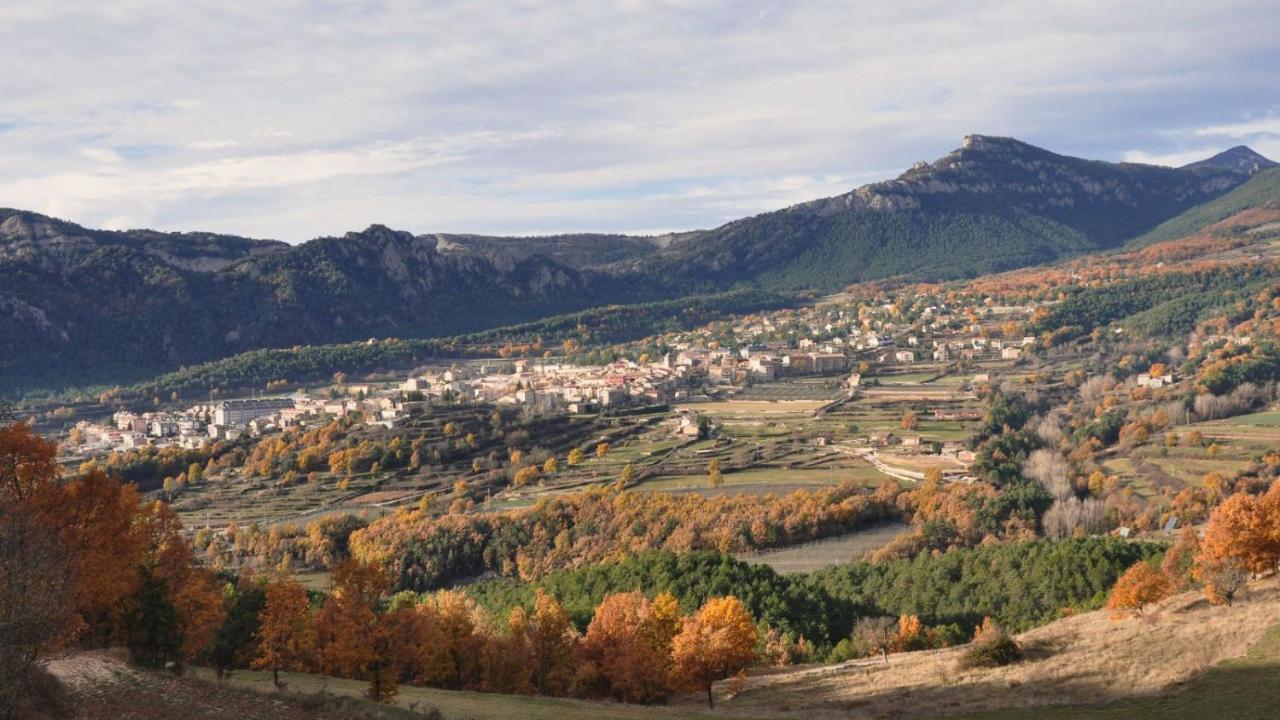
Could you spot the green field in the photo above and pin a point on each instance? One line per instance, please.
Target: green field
(1246, 688)
(1270, 418)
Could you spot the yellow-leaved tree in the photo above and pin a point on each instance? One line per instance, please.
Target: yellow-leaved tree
(717, 642)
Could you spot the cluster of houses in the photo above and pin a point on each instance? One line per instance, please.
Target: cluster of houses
(831, 336)
(827, 339)
(230, 420)
(680, 375)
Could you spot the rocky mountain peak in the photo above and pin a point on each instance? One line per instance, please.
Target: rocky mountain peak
(1240, 158)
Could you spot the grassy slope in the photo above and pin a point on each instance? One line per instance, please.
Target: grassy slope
(455, 705)
(1182, 657)
(1241, 688)
(1261, 189)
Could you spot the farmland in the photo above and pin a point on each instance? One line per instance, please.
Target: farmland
(818, 554)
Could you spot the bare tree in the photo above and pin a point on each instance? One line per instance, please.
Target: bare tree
(1049, 469)
(1092, 390)
(875, 633)
(1065, 516)
(1049, 428)
(1223, 579)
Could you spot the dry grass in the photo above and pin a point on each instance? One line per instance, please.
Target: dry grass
(1086, 659)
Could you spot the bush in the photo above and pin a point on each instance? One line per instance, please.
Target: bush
(998, 653)
(992, 647)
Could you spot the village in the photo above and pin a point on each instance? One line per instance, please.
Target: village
(889, 387)
(820, 340)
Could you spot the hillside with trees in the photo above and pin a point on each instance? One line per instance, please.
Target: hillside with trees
(84, 307)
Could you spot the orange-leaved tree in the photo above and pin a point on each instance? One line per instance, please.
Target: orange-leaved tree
(448, 655)
(191, 591)
(346, 623)
(1246, 528)
(98, 519)
(627, 648)
(285, 637)
(1139, 586)
(715, 643)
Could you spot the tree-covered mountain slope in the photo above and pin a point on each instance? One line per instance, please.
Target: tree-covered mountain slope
(993, 204)
(82, 307)
(1261, 191)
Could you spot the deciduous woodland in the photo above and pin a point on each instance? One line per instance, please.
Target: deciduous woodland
(87, 562)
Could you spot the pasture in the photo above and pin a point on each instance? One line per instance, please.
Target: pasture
(839, 550)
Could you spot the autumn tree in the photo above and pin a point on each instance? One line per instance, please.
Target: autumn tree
(395, 635)
(714, 476)
(171, 578)
(447, 654)
(90, 509)
(285, 638)
(346, 623)
(627, 648)
(910, 635)
(35, 582)
(910, 421)
(1139, 586)
(28, 465)
(575, 456)
(715, 643)
(550, 641)
(1180, 559)
(1246, 528)
(627, 476)
(602, 449)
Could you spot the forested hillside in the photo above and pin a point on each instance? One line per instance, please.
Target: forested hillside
(1262, 190)
(81, 307)
(993, 204)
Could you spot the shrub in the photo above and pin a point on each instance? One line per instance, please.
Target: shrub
(992, 647)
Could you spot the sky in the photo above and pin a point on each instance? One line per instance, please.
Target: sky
(292, 120)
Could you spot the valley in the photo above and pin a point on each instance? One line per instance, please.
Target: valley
(1070, 466)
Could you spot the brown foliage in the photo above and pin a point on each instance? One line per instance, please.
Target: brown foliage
(1246, 528)
(285, 638)
(627, 649)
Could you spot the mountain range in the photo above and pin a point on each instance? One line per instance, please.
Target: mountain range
(80, 307)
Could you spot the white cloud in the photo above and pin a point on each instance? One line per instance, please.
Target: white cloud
(1173, 159)
(1249, 128)
(295, 119)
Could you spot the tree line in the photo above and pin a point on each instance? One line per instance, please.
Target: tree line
(425, 551)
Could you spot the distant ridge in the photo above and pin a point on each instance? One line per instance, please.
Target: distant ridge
(81, 307)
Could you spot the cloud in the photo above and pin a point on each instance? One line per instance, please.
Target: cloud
(1247, 129)
(297, 119)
